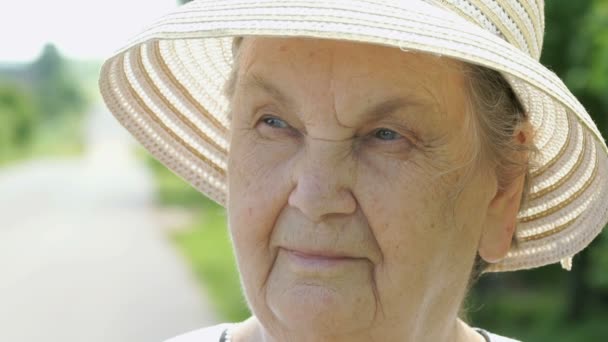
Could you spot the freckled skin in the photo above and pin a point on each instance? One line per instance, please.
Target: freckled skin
(327, 181)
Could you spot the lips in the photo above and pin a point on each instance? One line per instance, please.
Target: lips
(319, 255)
(316, 260)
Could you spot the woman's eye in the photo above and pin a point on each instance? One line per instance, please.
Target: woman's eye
(273, 127)
(275, 122)
(386, 134)
(389, 141)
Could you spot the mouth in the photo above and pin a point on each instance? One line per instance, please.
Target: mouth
(318, 259)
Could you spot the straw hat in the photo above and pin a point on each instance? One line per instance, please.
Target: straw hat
(166, 85)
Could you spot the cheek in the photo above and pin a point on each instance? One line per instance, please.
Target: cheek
(405, 208)
(258, 188)
(411, 213)
(258, 180)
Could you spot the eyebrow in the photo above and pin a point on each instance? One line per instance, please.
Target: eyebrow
(372, 113)
(256, 81)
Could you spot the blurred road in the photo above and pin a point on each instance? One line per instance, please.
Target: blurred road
(83, 253)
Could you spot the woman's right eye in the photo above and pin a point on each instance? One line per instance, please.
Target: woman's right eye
(273, 127)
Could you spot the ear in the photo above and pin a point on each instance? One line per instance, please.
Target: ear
(500, 222)
(501, 219)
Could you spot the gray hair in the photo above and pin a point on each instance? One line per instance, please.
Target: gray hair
(499, 115)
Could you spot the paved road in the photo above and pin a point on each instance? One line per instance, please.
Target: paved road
(83, 254)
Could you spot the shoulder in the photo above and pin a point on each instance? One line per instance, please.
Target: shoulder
(209, 334)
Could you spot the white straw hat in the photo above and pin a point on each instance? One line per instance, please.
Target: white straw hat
(166, 86)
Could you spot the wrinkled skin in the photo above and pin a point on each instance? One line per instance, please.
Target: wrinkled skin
(353, 221)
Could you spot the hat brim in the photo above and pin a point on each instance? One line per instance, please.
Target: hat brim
(166, 86)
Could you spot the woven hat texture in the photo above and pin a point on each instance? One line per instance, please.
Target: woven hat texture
(165, 87)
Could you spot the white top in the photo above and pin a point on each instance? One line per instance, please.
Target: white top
(213, 334)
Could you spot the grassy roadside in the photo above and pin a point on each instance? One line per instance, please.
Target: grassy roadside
(207, 247)
(204, 243)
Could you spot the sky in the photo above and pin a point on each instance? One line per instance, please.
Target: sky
(85, 29)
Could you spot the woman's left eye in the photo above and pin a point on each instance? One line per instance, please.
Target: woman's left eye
(386, 134)
(275, 122)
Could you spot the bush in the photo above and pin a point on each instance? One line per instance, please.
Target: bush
(18, 118)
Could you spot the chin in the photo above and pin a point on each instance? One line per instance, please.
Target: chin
(327, 310)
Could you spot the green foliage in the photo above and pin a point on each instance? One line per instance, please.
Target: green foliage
(597, 277)
(41, 108)
(17, 115)
(576, 48)
(57, 91)
(535, 314)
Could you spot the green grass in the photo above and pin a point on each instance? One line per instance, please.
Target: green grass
(208, 249)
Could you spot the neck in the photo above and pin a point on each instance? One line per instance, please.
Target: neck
(252, 331)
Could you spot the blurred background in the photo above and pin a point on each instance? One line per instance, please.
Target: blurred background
(99, 242)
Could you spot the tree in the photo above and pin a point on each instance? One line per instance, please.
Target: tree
(56, 90)
(49, 66)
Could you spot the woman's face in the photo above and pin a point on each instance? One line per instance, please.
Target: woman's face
(348, 204)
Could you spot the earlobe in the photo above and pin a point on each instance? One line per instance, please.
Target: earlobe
(495, 243)
(501, 221)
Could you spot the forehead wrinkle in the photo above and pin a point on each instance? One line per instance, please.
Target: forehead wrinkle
(375, 112)
(393, 101)
(253, 80)
(331, 91)
(391, 106)
(438, 102)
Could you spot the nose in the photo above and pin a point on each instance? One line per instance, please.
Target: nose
(323, 179)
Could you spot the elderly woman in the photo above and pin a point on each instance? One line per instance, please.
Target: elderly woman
(373, 156)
